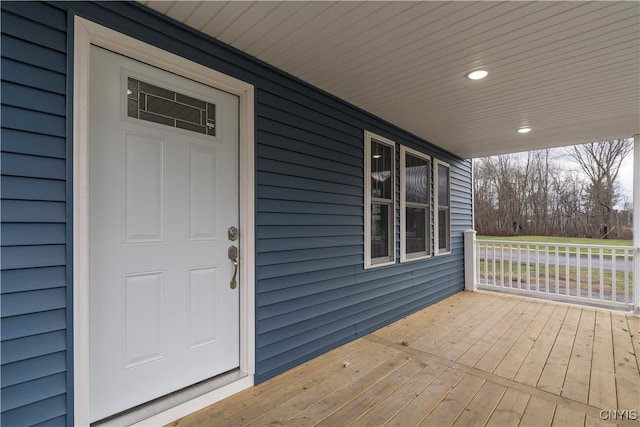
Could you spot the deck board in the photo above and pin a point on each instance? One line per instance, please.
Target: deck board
(473, 359)
(480, 408)
(360, 386)
(510, 409)
(499, 349)
(555, 369)
(513, 360)
(602, 390)
(448, 329)
(576, 383)
(453, 404)
(289, 385)
(487, 352)
(459, 346)
(626, 365)
(362, 401)
(415, 327)
(539, 413)
(308, 398)
(395, 402)
(634, 331)
(418, 408)
(534, 363)
(564, 417)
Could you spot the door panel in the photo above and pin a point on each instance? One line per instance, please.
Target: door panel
(203, 283)
(203, 193)
(144, 311)
(161, 198)
(144, 178)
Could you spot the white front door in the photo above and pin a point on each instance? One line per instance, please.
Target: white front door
(163, 193)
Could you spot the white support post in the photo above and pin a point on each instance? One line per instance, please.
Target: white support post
(470, 261)
(636, 225)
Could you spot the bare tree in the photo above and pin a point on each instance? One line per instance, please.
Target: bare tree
(484, 199)
(535, 194)
(568, 189)
(507, 181)
(600, 162)
(539, 176)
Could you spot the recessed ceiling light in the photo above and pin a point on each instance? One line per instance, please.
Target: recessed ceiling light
(377, 156)
(524, 130)
(477, 74)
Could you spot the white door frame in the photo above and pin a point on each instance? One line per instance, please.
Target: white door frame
(86, 34)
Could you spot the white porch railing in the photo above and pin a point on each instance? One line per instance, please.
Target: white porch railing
(593, 274)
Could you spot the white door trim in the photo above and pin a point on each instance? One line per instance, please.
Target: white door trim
(86, 34)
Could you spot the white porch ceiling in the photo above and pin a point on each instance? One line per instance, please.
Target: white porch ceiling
(569, 70)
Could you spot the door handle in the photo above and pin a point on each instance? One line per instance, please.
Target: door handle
(233, 256)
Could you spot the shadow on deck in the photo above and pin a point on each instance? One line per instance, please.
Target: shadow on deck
(473, 359)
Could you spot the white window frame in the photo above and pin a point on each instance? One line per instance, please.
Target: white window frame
(370, 262)
(404, 257)
(436, 207)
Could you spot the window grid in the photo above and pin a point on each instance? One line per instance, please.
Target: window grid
(415, 205)
(424, 182)
(442, 179)
(380, 203)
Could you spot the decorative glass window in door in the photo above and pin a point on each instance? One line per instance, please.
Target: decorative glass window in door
(152, 103)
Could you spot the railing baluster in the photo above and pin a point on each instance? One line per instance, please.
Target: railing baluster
(503, 260)
(567, 272)
(626, 277)
(476, 253)
(493, 265)
(601, 253)
(502, 265)
(479, 266)
(528, 267)
(614, 279)
(537, 268)
(484, 278)
(578, 273)
(589, 273)
(482, 267)
(519, 267)
(510, 265)
(546, 269)
(514, 271)
(557, 268)
(486, 264)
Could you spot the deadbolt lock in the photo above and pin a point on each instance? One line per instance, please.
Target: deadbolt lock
(233, 233)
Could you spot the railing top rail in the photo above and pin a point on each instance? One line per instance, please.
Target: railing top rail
(564, 245)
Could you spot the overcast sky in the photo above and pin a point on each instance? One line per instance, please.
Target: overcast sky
(626, 176)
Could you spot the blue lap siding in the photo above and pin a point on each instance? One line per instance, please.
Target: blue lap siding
(312, 292)
(34, 281)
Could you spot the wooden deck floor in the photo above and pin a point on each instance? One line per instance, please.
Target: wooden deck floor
(473, 359)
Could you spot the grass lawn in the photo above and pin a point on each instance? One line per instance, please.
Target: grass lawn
(559, 241)
(554, 239)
